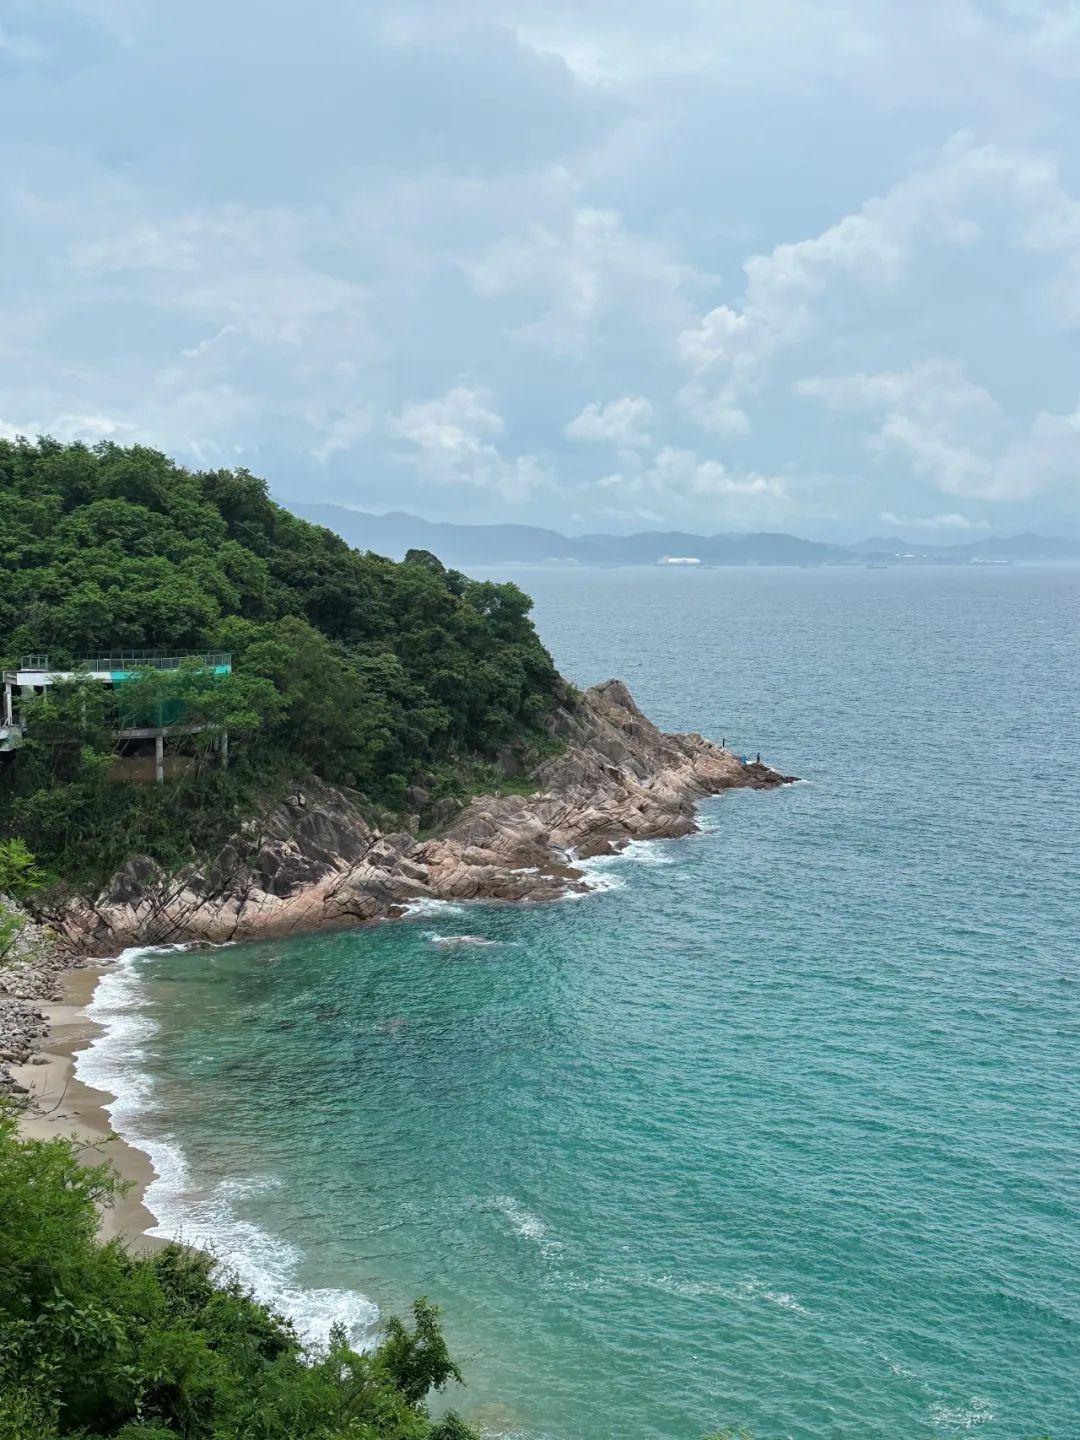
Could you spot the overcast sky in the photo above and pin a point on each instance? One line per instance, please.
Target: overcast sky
(714, 264)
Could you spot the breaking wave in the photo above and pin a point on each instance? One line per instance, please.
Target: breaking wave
(469, 940)
(116, 1062)
(431, 907)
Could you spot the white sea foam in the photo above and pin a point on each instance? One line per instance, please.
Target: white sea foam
(609, 872)
(965, 1416)
(265, 1264)
(710, 821)
(431, 907)
(570, 1282)
(648, 852)
(599, 876)
(437, 939)
(691, 1289)
(905, 1372)
(526, 1224)
(755, 1290)
(750, 1289)
(116, 1062)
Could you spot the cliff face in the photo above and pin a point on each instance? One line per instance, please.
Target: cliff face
(314, 862)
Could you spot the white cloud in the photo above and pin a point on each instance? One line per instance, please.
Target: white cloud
(190, 422)
(453, 436)
(91, 428)
(340, 431)
(453, 427)
(88, 428)
(211, 343)
(953, 433)
(873, 246)
(281, 284)
(933, 388)
(679, 482)
(719, 414)
(119, 19)
(588, 267)
(143, 246)
(682, 472)
(632, 45)
(20, 49)
(264, 340)
(243, 270)
(1054, 40)
(622, 423)
(950, 521)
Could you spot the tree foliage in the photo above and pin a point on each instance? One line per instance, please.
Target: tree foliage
(354, 668)
(101, 1344)
(19, 873)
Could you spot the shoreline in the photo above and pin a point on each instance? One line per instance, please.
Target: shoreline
(314, 861)
(60, 1105)
(315, 864)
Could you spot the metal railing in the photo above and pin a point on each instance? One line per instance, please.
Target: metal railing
(130, 660)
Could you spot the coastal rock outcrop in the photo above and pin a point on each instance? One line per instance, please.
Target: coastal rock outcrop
(314, 861)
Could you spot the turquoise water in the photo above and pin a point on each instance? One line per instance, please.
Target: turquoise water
(778, 1128)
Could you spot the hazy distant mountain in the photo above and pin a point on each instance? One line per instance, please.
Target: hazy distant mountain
(1038, 549)
(1028, 547)
(397, 532)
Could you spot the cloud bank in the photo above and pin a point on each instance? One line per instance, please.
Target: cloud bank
(779, 266)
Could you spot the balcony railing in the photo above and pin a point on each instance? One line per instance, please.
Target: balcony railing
(129, 660)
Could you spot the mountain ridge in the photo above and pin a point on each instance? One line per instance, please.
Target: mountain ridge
(397, 531)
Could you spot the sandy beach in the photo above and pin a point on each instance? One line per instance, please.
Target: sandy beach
(59, 1104)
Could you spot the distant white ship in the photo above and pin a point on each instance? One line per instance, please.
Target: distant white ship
(679, 560)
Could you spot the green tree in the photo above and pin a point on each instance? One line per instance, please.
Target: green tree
(19, 871)
(346, 666)
(101, 1344)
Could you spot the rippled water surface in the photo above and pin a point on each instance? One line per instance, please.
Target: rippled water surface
(778, 1128)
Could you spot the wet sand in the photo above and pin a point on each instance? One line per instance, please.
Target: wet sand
(59, 1104)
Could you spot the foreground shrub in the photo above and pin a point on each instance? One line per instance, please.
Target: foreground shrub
(97, 1342)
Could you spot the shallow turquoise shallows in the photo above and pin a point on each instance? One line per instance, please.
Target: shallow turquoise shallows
(779, 1128)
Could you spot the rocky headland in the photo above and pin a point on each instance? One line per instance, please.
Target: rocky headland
(314, 861)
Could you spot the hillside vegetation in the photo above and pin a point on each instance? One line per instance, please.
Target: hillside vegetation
(368, 673)
(96, 1342)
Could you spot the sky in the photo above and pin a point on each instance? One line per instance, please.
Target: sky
(708, 265)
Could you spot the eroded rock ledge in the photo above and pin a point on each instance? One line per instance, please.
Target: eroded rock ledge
(314, 862)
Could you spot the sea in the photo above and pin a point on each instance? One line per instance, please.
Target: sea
(776, 1129)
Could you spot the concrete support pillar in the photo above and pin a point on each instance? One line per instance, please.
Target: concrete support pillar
(159, 758)
(8, 716)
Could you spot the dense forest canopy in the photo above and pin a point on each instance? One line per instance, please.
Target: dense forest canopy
(363, 671)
